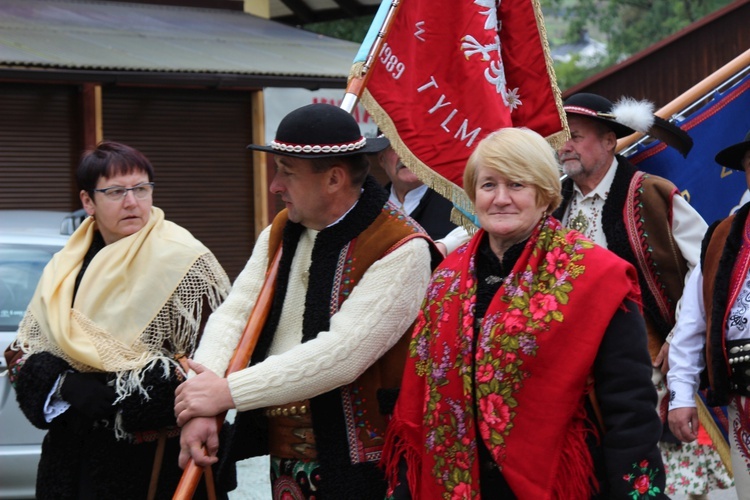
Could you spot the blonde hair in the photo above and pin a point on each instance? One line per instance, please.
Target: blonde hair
(521, 155)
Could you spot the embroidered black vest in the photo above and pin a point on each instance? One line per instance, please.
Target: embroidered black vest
(637, 226)
(721, 257)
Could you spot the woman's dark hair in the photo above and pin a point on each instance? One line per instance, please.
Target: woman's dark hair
(110, 159)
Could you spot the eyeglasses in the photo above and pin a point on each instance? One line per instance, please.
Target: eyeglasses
(116, 193)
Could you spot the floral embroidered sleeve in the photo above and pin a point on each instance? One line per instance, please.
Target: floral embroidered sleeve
(627, 399)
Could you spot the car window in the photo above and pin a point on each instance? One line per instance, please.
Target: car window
(20, 269)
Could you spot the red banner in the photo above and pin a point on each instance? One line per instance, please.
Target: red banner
(452, 71)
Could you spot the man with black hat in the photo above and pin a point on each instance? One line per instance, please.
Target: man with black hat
(640, 217)
(329, 359)
(712, 333)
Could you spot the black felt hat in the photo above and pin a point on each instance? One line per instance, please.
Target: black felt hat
(320, 131)
(597, 108)
(627, 116)
(731, 157)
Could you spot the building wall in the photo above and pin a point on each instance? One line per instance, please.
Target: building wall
(39, 143)
(196, 140)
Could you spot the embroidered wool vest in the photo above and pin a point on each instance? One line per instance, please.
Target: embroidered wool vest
(350, 422)
(725, 259)
(365, 423)
(637, 222)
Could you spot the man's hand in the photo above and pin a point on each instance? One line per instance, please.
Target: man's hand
(662, 359)
(683, 422)
(195, 434)
(205, 395)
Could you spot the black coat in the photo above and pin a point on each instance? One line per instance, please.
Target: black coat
(81, 458)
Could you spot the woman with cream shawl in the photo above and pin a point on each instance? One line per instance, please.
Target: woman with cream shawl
(96, 357)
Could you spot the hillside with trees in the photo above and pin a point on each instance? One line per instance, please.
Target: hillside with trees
(624, 27)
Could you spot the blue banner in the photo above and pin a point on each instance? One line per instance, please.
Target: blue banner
(713, 190)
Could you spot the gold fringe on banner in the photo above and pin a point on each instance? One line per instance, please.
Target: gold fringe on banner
(704, 415)
(432, 179)
(558, 139)
(458, 218)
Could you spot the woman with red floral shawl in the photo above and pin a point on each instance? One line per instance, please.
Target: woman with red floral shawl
(528, 375)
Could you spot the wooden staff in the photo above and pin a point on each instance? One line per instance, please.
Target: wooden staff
(192, 474)
(696, 92)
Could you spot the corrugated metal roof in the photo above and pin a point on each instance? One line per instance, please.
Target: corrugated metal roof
(112, 36)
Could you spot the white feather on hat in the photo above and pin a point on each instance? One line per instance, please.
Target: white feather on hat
(638, 115)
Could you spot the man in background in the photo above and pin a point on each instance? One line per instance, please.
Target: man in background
(712, 333)
(643, 219)
(327, 366)
(431, 210)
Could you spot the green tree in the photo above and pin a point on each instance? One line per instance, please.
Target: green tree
(626, 26)
(569, 73)
(353, 29)
(629, 26)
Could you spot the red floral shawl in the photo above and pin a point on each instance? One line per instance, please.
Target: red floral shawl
(529, 374)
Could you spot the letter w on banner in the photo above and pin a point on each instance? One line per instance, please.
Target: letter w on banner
(452, 71)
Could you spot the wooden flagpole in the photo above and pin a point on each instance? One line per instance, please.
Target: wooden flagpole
(191, 475)
(696, 92)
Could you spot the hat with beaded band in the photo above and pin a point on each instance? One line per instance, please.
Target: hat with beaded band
(320, 131)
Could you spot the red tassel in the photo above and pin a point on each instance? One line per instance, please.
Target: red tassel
(575, 476)
(704, 438)
(396, 447)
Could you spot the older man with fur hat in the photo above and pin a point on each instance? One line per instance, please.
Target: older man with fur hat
(328, 363)
(640, 217)
(712, 333)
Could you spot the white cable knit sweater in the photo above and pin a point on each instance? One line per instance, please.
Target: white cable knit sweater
(371, 320)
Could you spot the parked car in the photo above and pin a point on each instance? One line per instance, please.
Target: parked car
(28, 239)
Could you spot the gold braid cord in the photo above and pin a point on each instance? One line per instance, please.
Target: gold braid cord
(558, 139)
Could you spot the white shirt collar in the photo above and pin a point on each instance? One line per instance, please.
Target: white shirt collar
(601, 189)
(411, 200)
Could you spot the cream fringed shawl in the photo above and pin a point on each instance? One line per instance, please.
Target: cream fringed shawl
(140, 301)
